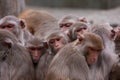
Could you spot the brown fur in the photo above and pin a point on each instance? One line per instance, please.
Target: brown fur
(45, 59)
(35, 18)
(15, 62)
(108, 57)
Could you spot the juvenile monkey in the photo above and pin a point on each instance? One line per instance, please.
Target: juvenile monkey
(36, 47)
(57, 40)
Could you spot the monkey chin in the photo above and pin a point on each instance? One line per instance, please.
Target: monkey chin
(35, 60)
(92, 61)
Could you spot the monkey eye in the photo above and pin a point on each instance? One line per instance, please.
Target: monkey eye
(58, 39)
(40, 48)
(52, 41)
(68, 24)
(2, 27)
(10, 26)
(84, 28)
(32, 48)
(61, 25)
(93, 49)
(78, 30)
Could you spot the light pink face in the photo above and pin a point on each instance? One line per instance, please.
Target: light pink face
(92, 56)
(56, 43)
(8, 26)
(65, 26)
(35, 52)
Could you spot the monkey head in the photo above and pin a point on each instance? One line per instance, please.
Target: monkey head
(56, 40)
(90, 46)
(77, 30)
(105, 31)
(12, 24)
(36, 47)
(67, 21)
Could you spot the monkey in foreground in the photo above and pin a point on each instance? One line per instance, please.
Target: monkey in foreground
(15, 63)
(38, 49)
(72, 61)
(108, 57)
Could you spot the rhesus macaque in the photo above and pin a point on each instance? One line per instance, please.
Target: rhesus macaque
(77, 30)
(16, 26)
(46, 28)
(35, 19)
(57, 40)
(107, 58)
(36, 48)
(70, 62)
(40, 56)
(66, 22)
(15, 62)
(115, 72)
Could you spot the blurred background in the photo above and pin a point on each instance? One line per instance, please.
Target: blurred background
(86, 4)
(101, 11)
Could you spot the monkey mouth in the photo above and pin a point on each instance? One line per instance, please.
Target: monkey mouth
(35, 58)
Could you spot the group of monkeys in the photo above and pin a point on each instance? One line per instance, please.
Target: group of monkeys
(37, 46)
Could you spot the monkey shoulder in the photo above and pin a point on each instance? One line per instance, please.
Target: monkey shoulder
(69, 63)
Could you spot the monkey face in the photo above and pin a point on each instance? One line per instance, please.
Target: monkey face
(12, 23)
(35, 52)
(56, 44)
(92, 55)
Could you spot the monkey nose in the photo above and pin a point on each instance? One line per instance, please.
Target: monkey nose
(36, 53)
(93, 60)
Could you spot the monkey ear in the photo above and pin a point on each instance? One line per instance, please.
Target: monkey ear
(22, 23)
(8, 42)
(45, 44)
(83, 19)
